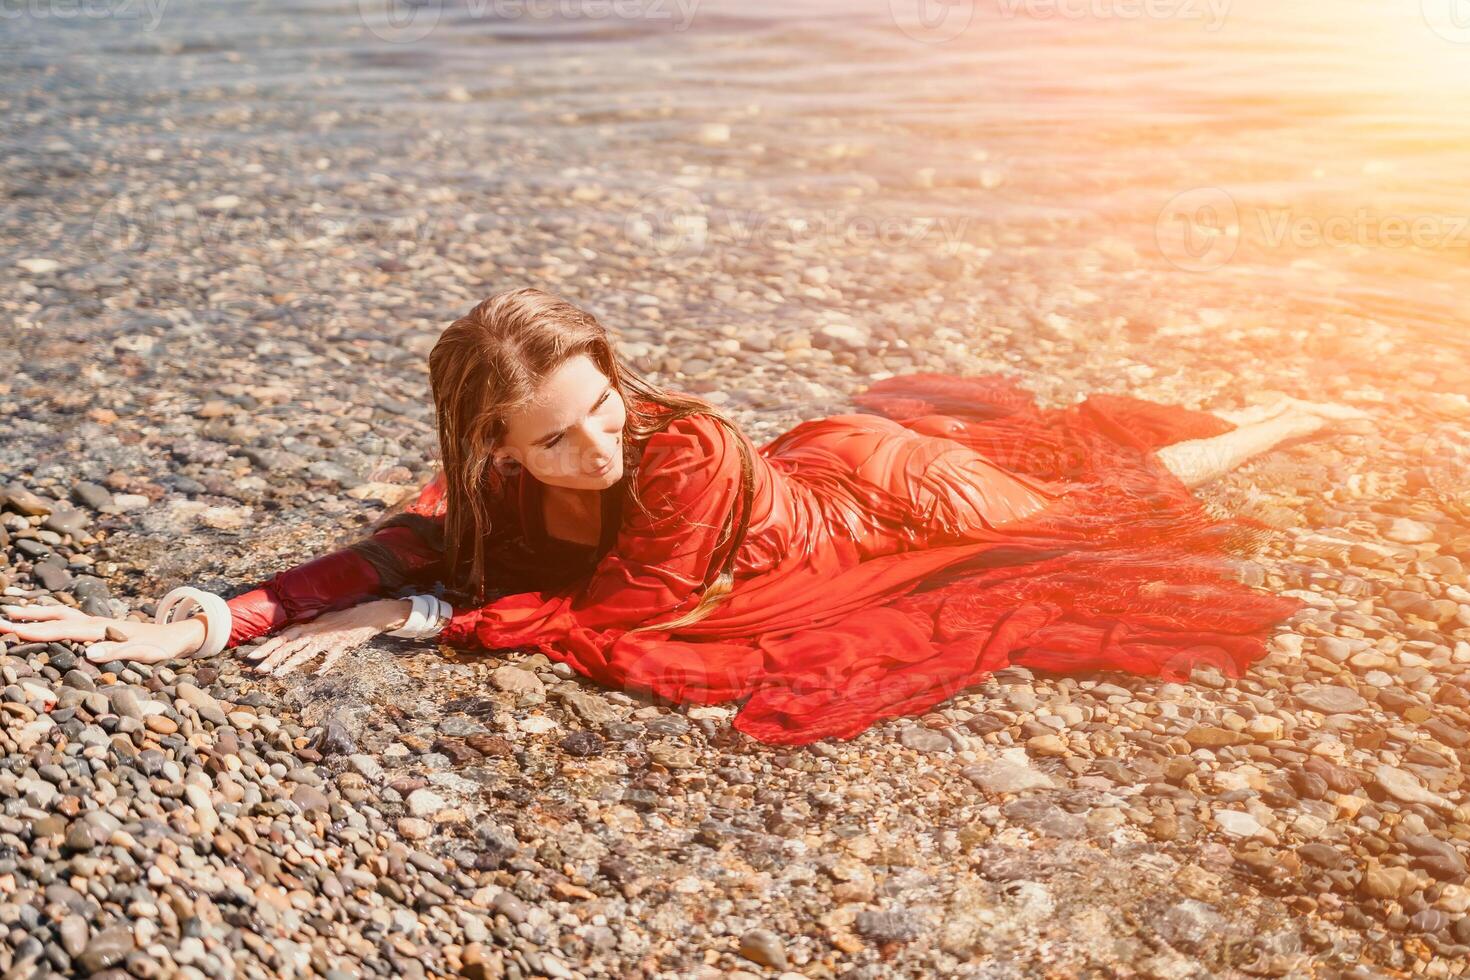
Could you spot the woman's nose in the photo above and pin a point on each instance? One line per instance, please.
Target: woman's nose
(599, 447)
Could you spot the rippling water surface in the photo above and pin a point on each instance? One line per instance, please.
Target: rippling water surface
(1309, 159)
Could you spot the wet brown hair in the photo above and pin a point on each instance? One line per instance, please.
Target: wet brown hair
(490, 362)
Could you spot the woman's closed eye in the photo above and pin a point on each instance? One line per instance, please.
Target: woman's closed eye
(553, 440)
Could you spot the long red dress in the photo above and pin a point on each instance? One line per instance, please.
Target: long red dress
(892, 560)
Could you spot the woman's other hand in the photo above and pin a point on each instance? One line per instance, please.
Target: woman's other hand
(110, 639)
(331, 634)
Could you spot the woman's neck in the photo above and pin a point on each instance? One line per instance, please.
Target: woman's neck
(572, 515)
(567, 496)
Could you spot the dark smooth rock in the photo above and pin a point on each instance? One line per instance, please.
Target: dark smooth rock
(582, 743)
(106, 949)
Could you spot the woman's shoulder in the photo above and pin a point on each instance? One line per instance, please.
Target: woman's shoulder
(690, 453)
(698, 430)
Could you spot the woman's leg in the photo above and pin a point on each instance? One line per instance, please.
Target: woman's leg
(1260, 428)
(1198, 461)
(1253, 413)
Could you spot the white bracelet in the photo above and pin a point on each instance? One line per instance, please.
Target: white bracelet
(186, 600)
(427, 618)
(415, 620)
(442, 615)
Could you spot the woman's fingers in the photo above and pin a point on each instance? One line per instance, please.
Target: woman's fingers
(27, 633)
(333, 655)
(283, 652)
(41, 614)
(275, 655)
(273, 644)
(50, 630)
(302, 656)
(135, 651)
(261, 649)
(298, 644)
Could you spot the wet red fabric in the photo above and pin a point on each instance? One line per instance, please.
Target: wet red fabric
(893, 559)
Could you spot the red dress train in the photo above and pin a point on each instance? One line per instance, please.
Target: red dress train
(892, 560)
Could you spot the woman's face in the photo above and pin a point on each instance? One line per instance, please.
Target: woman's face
(571, 435)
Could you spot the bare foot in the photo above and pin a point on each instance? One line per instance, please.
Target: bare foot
(1332, 411)
(1307, 419)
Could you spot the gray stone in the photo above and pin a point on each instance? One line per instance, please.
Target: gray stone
(514, 680)
(73, 933)
(1000, 776)
(106, 949)
(1405, 787)
(922, 739)
(125, 703)
(423, 803)
(203, 703)
(1331, 699)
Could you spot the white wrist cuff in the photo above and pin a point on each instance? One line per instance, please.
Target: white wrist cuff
(182, 603)
(429, 616)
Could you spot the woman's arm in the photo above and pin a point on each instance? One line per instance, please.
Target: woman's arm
(406, 549)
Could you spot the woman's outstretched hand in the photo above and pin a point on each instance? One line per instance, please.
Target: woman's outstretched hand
(331, 634)
(110, 639)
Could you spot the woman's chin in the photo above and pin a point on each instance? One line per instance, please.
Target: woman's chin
(596, 481)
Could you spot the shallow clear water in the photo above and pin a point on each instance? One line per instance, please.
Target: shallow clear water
(1309, 159)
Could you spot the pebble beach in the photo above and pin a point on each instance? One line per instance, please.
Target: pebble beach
(228, 241)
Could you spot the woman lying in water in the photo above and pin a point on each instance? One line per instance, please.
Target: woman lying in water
(857, 567)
